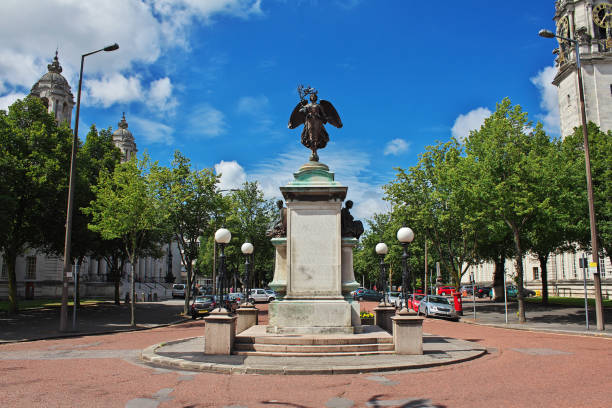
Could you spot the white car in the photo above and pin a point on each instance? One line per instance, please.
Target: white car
(261, 295)
(178, 290)
(395, 298)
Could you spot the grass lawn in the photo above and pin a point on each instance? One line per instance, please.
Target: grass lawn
(566, 301)
(43, 303)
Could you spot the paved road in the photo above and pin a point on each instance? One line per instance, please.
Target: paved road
(539, 317)
(522, 369)
(105, 317)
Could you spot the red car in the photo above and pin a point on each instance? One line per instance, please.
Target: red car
(446, 290)
(414, 303)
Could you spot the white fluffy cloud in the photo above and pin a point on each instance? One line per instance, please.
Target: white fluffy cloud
(160, 95)
(8, 100)
(549, 101)
(470, 121)
(114, 88)
(150, 131)
(143, 30)
(396, 146)
(232, 174)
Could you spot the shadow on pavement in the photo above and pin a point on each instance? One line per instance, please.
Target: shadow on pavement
(105, 317)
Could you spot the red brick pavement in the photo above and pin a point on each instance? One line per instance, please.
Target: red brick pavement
(524, 369)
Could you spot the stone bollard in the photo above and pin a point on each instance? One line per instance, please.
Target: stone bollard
(382, 316)
(407, 333)
(219, 333)
(155, 298)
(248, 316)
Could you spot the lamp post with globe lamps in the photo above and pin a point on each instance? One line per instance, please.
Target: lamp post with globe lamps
(222, 237)
(247, 250)
(405, 236)
(382, 250)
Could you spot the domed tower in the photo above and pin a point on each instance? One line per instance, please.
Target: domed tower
(124, 140)
(55, 93)
(590, 23)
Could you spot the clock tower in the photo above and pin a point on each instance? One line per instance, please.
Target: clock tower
(590, 23)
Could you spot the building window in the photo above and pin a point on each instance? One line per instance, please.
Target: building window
(602, 267)
(30, 268)
(4, 273)
(536, 273)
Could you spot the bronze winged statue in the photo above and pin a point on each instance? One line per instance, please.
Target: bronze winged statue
(313, 115)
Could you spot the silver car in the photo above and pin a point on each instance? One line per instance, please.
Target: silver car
(437, 306)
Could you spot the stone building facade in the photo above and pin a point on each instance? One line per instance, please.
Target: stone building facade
(588, 22)
(39, 275)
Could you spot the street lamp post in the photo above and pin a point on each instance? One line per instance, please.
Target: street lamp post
(405, 236)
(382, 250)
(587, 160)
(214, 274)
(67, 243)
(222, 237)
(247, 250)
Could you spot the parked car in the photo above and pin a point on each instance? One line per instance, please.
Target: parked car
(272, 293)
(358, 292)
(414, 302)
(260, 295)
(437, 306)
(201, 306)
(512, 291)
(446, 290)
(395, 298)
(484, 291)
(369, 294)
(466, 290)
(237, 297)
(178, 290)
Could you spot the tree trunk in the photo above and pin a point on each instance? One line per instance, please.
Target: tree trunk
(187, 288)
(519, 273)
(11, 261)
(133, 290)
(544, 275)
(498, 278)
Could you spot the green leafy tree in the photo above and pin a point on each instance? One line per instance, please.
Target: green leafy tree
(553, 226)
(34, 162)
(600, 148)
(192, 201)
(505, 161)
(249, 217)
(128, 207)
(433, 198)
(97, 153)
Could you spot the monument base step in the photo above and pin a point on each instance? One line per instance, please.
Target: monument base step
(256, 341)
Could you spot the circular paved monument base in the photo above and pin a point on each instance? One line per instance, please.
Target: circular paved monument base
(188, 354)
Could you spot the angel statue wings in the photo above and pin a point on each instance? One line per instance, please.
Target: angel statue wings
(313, 115)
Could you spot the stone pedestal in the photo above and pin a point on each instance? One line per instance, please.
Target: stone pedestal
(248, 316)
(219, 333)
(408, 333)
(279, 282)
(314, 300)
(382, 316)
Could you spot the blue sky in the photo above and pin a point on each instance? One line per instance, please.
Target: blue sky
(217, 79)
